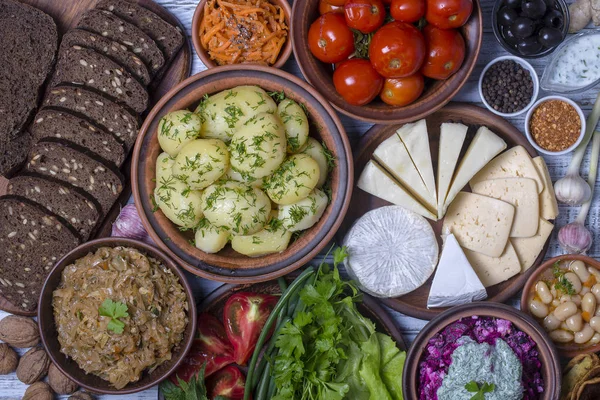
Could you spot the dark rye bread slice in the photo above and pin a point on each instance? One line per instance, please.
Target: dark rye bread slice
(32, 240)
(13, 154)
(50, 123)
(29, 40)
(168, 37)
(109, 25)
(96, 108)
(111, 49)
(65, 200)
(85, 67)
(68, 163)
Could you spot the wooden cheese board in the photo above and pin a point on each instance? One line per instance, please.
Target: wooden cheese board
(66, 14)
(414, 303)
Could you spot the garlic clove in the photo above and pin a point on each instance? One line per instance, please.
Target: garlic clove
(572, 190)
(575, 238)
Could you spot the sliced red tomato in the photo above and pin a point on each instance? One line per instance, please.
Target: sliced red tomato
(244, 316)
(448, 14)
(364, 15)
(330, 39)
(326, 7)
(402, 91)
(445, 52)
(211, 347)
(397, 50)
(407, 10)
(228, 382)
(357, 81)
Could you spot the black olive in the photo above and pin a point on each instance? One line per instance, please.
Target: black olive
(554, 19)
(509, 37)
(529, 46)
(550, 37)
(513, 3)
(534, 9)
(523, 27)
(506, 16)
(550, 4)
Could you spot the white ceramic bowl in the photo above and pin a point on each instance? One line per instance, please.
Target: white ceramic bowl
(530, 113)
(524, 64)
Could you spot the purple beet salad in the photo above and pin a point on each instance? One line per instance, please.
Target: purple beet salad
(480, 357)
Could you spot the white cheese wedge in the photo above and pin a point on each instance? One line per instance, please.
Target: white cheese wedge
(513, 163)
(522, 194)
(484, 146)
(452, 137)
(480, 223)
(392, 155)
(391, 251)
(548, 203)
(416, 139)
(378, 182)
(454, 282)
(528, 249)
(493, 270)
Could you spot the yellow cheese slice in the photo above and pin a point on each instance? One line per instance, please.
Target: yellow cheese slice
(452, 137)
(548, 203)
(521, 193)
(480, 223)
(528, 249)
(513, 163)
(493, 270)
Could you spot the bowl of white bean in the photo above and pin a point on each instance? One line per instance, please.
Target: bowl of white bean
(563, 295)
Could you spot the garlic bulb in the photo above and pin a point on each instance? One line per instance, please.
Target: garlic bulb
(575, 238)
(572, 190)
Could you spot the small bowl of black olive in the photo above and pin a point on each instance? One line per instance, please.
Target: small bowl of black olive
(530, 28)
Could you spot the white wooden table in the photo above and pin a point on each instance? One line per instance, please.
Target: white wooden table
(12, 389)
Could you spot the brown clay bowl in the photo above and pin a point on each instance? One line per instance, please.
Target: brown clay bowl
(435, 95)
(69, 367)
(284, 55)
(550, 369)
(565, 349)
(228, 265)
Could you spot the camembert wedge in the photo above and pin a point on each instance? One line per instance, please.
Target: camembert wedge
(548, 203)
(493, 270)
(528, 249)
(452, 137)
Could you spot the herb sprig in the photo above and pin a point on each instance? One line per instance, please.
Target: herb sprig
(114, 310)
(480, 391)
(562, 283)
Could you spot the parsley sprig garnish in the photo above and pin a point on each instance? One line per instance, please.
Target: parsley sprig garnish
(114, 310)
(562, 283)
(479, 390)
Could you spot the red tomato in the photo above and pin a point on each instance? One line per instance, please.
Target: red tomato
(357, 81)
(445, 52)
(364, 15)
(325, 7)
(228, 382)
(448, 14)
(211, 346)
(387, 2)
(330, 39)
(336, 2)
(402, 91)
(407, 10)
(397, 50)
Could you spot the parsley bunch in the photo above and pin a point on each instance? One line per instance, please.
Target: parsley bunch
(195, 389)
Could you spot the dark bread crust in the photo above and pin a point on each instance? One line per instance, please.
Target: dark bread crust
(13, 154)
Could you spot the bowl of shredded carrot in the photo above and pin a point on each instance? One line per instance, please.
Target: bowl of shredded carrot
(226, 32)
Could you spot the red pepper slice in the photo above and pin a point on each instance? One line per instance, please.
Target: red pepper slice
(228, 382)
(210, 346)
(244, 316)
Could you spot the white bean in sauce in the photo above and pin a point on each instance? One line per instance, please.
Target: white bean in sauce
(544, 292)
(585, 335)
(565, 310)
(574, 322)
(594, 340)
(561, 336)
(579, 268)
(538, 308)
(595, 323)
(551, 322)
(596, 291)
(575, 281)
(588, 305)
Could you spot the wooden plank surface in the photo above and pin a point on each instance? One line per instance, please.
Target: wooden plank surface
(11, 388)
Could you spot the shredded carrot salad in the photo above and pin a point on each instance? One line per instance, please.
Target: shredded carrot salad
(243, 31)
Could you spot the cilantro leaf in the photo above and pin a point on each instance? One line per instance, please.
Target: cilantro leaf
(339, 255)
(488, 387)
(114, 310)
(472, 387)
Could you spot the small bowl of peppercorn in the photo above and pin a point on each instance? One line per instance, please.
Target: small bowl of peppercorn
(508, 86)
(555, 125)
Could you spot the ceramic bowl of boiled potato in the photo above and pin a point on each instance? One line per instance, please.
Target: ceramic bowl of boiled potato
(563, 295)
(242, 174)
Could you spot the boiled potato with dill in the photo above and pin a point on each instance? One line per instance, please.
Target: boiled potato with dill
(233, 175)
(178, 202)
(226, 112)
(239, 208)
(209, 238)
(322, 156)
(295, 123)
(273, 238)
(258, 148)
(201, 162)
(178, 128)
(164, 166)
(293, 180)
(304, 213)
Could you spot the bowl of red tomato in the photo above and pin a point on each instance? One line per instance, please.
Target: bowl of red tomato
(387, 61)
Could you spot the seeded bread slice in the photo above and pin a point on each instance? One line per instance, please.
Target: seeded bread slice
(69, 163)
(72, 204)
(109, 25)
(168, 37)
(13, 154)
(63, 125)
(32, 240)
(88, 68)
(97, 109)
(111, 49)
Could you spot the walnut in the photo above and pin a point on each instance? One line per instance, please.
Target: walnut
(33, 366)
(20, 332)
(38, 391)
(8, 359)
(59, 381)
(81, 396)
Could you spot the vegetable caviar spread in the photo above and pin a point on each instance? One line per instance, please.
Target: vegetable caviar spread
(555, 125)
(118, 313)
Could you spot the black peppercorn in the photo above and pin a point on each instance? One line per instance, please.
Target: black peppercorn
(507, 87)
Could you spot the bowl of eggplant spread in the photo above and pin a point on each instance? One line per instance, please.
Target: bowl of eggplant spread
(530, 28)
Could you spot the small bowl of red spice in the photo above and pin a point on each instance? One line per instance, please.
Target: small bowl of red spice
(555, 125)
